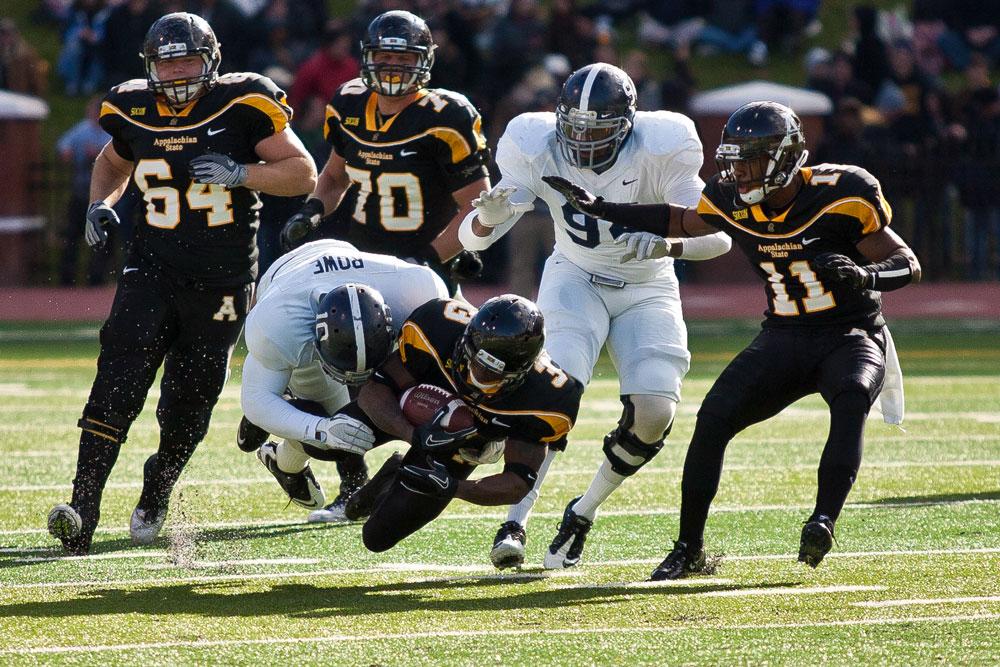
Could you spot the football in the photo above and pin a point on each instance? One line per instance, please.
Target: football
(421, 403)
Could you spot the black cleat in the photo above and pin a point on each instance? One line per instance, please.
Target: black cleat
(363, 501)
(508, 546)
(567, 546)
(816, 541)
(679, 563)
(301, 487)
(250, 437)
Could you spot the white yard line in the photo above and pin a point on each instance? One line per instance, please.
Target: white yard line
(926, 601)
(467, 516)
(558, 472)
(443, 634)
(481, 570)
(735, 593)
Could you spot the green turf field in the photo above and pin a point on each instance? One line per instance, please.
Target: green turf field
(239, 578)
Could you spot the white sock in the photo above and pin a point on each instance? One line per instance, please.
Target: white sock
(604, 483)
(520, 511)
(290, 456)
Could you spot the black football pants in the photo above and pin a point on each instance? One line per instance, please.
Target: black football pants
(846, 366)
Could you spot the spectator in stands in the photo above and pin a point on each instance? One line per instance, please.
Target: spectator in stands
(648, 89)
(973, 27)
(81, 64)
(519, 40)
(275, 55)
(21, 69)
(871, 58)
(124, 31)
(731, 28)
(838, 82)
(78, 148)
(331, 65)
(979, 164)
(845, 142)
(783, 24)
(571, 33)
(304, 20)
(236, 34)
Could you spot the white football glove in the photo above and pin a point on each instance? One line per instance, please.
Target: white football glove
(494, 208)
(345, 434)
(485, 455)
(643, 245)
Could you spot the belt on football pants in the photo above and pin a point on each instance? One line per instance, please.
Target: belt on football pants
(606, 281)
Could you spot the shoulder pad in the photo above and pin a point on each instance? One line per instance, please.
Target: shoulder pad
(127, 89)
(851, 176)
(531, 132)
(249, 82)
(665, 132)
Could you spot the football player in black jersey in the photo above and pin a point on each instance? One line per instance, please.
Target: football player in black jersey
(819, 238)
(407, 160)
(199, 146)
(494, 360)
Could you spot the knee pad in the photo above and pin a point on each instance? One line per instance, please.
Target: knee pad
(651, 417)
(110, 429)
(623, 449)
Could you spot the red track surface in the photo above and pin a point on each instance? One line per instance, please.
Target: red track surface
(701, 302)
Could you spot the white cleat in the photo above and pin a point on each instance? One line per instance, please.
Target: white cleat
(145, 526)
(566, 549)
(332, 513)
(508, 546)
(301, 487)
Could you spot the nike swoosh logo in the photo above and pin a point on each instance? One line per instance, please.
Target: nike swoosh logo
(443, 483)
(500, 423)
(806, 241)
(431, 440)
(407, 153)
(129, 269)
(210, 132)
(630, 182)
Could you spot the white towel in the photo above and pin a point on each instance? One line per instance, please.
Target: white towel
(890, 402)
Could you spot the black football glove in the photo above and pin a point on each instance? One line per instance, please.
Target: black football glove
(433, 480)
(219, 169)
(466, 265)
(580, 199)
(300, 224)
(434, 439)
(99, 216)
(834, 267)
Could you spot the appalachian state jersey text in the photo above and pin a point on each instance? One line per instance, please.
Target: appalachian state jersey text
(837, 206)
(404, 168)
(200, 233)
(540, 410)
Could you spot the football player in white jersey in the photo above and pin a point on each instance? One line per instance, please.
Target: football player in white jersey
(589, 295)
(327, 316)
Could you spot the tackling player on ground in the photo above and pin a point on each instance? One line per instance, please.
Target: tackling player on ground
(819, 239)
(494, 360)
(327, 315)
(407, 160)
(589, 297)
(198, 146)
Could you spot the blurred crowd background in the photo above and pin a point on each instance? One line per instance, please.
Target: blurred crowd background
(913, 87)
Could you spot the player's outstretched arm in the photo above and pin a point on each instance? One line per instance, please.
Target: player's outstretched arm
(660, 219)
(496, 211)
(288, 169)
(447, 244)
(521, 462)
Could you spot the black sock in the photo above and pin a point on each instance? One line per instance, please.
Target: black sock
(97, 456)
(702, 471)
(163, 474)
(841, 458)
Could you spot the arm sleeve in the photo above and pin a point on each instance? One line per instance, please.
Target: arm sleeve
(262, 403)
(470, 241)
(699, 248)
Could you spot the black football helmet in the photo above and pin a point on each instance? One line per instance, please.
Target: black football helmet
(498, 348)
(399, 32)
(179, 35)
(353, 333)
(594, 115)
(768, 138)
